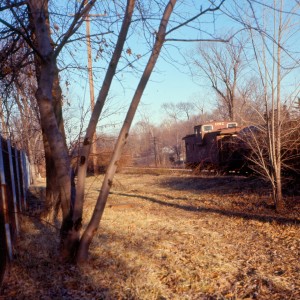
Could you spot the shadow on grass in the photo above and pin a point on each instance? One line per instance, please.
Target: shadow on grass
(227, 213)
(36, 264)
(224, 184)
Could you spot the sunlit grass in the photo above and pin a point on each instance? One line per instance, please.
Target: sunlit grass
(168, 237)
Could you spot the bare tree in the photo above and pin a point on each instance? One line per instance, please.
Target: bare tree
(48, 93)
(222, 65)
(180, 120)
(49, 98)
(142, 139)
(276, 137)
(123, 136)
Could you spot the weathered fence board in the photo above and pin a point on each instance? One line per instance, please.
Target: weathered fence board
(14, 182)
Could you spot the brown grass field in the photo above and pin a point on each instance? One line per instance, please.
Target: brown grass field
(168, 236)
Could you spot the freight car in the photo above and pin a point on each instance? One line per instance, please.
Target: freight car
(214, 146)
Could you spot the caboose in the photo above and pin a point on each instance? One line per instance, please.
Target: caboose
(213, 145)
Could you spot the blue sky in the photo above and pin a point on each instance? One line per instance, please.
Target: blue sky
(170, 82)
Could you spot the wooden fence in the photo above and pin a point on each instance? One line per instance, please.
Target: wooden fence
(14, 182)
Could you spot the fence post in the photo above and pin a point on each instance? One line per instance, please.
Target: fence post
(25, 177)
(13, 185)
(18, 179)
(28, 173)
(4, 204)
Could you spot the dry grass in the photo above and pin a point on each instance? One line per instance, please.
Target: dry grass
(169, 237)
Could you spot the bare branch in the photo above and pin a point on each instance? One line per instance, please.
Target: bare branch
(198, 40)
(12, 5)
(78, 19)
(196, 17)
(263, 3)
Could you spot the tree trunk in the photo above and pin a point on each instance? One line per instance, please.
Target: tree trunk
(52, 193)
(55, 139)
(88, 139)
(48, 97)
(46, 73)
(279, 201)
(61, 181)
(89, 233)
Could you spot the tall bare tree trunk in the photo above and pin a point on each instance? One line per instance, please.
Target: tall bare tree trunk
(279, 201)
(52, 193)
(88, 234)
(55, 139)
(46, 73)
(48, 97)
(58, 152)
(88, 139)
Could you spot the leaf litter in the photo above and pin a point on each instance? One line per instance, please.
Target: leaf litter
(168, 237)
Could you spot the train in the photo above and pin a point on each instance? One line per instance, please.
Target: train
(216, 145)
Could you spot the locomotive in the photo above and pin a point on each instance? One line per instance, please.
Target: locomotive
(215, 146)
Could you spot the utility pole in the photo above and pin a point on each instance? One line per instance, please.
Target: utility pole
(155, 154)
(91, 86)
(90, 62)
(92, 92)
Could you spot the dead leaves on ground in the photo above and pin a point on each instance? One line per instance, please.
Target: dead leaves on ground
(160, 238)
